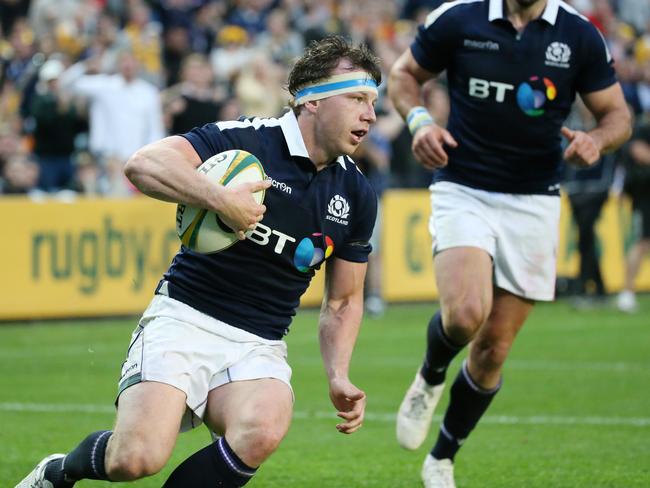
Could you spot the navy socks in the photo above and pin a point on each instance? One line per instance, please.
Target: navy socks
(467, 404)
(440, 352)
(86, 461)
(216, 465)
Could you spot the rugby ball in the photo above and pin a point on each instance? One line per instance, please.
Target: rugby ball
(203, 231)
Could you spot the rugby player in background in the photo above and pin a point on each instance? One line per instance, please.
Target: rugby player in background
(513, 68)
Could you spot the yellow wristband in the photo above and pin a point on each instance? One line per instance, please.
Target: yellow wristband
(418, 117)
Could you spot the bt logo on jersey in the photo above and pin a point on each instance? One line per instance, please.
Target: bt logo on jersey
(312, 251)
(262, 235)
(533, 94)
(479, 88)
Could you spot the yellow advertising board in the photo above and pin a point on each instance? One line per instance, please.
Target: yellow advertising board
(99, 257)
(90, 257)
(406, 246)
(614, 237)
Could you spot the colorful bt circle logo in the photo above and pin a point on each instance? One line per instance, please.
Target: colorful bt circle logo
(312, 250)
(533, 94)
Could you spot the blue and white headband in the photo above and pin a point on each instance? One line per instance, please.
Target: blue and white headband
(356, 81)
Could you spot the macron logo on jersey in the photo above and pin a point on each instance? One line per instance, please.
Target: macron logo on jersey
(481, 45)
(338, 210)
(279, 185)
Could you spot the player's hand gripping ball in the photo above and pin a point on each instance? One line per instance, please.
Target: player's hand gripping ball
(203, 231)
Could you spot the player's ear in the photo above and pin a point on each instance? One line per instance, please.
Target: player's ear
(312, 106)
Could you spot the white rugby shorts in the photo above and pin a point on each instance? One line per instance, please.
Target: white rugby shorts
(519, 232)
(177, 345)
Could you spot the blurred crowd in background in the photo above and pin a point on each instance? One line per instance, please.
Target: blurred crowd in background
(84, 83)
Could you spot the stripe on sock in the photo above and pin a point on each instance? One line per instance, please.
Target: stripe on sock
(232, 463)
(93, 455)
(476, 387)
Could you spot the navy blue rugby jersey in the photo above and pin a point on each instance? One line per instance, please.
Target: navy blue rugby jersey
(510, 92)
(256, 284)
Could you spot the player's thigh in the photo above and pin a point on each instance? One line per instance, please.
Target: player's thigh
(464, 280)
(526, 253)
(264, 404)
(148, 419)
(464, 239)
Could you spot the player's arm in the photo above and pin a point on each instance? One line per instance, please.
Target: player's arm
(340, 319)
(166, 170)
(404, 89)
(405, 82)
(613, 127)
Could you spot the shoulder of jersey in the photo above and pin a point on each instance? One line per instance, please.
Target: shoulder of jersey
(571, 10)
(447, 7)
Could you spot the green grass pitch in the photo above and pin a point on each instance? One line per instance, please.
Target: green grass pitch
(574, 410)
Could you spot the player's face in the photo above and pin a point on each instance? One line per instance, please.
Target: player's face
(343, 121)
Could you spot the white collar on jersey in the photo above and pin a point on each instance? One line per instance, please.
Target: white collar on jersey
(293, 136)
(549, 15)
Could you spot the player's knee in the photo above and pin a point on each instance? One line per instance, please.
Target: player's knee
(259, 441)
(463, 320)
(129, 467)
(489, 356)
(266, 441)
(133, 461)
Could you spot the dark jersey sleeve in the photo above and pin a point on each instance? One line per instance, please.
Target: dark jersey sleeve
(435, 41)
(208, 141)
(596, 67)
(357, 246)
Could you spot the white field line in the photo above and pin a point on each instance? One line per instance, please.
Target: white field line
(637, 367)
(511, 364)
(541, 364)
(370, 416)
